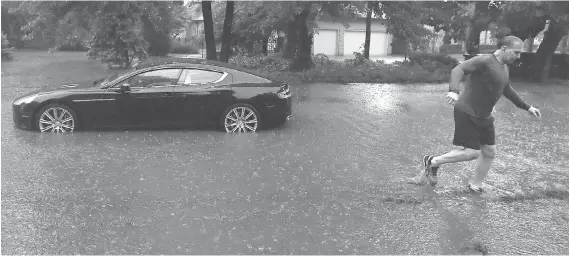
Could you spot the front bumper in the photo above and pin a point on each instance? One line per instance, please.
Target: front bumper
(22, 118)
(278, 114)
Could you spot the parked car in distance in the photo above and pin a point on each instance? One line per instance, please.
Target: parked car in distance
(176, 92)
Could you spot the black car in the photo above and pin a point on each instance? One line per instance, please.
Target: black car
(172, 93)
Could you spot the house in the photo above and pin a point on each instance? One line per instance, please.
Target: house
(331, 38)
(334, 39)
(193, 30)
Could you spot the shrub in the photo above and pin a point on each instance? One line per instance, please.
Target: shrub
(73, 44)
(420, 58)
(330, 71)
(184, 49)
(387, 73)
(6, 49)
(261, 63)
(522, 70)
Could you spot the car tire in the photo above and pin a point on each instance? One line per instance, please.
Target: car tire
(67, 113)
(247, 108)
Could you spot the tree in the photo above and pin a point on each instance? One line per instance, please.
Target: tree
(449, 16)
(402, 20)
(226, 39)
(481, 15)
(302, 59)
(368, 29)
(118, 37)
(161, 24)
(211, 53)
(527, 19)
(117, 27)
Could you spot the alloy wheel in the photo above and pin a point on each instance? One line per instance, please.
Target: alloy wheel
(56, 119)
(241, 119)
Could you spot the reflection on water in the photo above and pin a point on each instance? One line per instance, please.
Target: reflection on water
(383, 97)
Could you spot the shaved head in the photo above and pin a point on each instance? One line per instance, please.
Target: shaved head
(510, 42)
(509, 49)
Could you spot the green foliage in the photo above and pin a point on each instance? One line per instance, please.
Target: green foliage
(6, 49)
(186, 49)
(527, 19)
(118, 36)
(403, 19)
(161, 22)
(120, 32)
(73, 44)
(434, 69)
(429, 59)
(261, 63)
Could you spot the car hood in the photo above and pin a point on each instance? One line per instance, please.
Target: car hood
(64, 88)
(68, 87)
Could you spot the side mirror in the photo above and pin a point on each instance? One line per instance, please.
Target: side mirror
(124, 88)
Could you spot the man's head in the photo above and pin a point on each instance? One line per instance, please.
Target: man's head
(509, 49)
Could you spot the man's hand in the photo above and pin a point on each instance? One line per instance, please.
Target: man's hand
(534, 112)
(452, 97)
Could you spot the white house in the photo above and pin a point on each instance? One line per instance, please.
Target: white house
(331, 38)
(334, 39)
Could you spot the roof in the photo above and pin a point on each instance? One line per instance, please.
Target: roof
(174, 60)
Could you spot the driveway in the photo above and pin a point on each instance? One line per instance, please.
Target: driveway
(330, 181)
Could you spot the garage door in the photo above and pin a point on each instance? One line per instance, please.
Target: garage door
(325, 42)
(354, 42)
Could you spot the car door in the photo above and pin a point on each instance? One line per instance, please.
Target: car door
(194, 93)
(147, 103)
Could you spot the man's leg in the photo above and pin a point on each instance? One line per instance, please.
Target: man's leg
(488, 149)
(466, 135)
(488, 152)
(457, 155)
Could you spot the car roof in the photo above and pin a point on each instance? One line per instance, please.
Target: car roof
(193, 62)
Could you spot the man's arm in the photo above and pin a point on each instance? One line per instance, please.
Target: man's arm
(467, 67)
(513, 96)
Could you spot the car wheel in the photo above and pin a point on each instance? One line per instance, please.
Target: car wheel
(56, 118)
(241, 118)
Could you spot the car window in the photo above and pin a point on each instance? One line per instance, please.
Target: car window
(198, 76)
(162, 77)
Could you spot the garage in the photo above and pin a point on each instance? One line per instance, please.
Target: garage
(326, 41)
(354, 42)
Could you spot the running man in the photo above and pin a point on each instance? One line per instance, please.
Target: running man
(474, 125)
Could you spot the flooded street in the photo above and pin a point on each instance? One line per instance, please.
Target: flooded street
(330, 181)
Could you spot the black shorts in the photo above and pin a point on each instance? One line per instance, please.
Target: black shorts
(471, 132)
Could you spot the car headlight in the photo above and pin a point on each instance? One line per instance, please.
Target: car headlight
(25, 100)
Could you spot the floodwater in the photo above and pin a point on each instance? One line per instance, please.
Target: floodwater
(330, 181)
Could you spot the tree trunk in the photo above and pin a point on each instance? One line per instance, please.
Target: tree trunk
(280, 44)
(211, 53)
(472, 38)
(265, 46)
(292, 39)
(542, 59)
(368, 30)
(303, 58)
(126, 59)
(226, 37)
